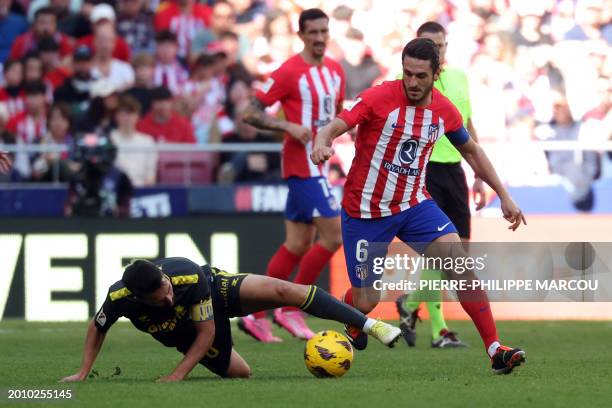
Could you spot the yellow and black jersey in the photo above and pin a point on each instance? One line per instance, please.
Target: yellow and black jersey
(173, 325)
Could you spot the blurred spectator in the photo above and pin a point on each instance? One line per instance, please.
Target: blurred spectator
(163, 122)
(103, 19)
(11, 95)
(277, 43)
(184, 18)
(45, 24)
(12, 25)
(245, 166)
(135, 25)
(29, 126)
(202, 97)
(32, 67)
(235, 69)
(360, 68)
(75, 90)
(118, 72)
(530, 32)
(577, 169)
(100, 117)
(55, 166)
(248, 10)
(76, 25)
(141, 167)
(168, 70)
(144, 66)
(223, 18)
(98, 188)
(588, 15)
(54, 73)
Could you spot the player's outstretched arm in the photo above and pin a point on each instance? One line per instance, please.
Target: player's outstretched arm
(255, 116)
(480, 163)
(93, 344)
(322, 150)
(204, 339)
(5, 162)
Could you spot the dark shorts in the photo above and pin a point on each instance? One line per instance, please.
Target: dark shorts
(225, 290)
(447, 185)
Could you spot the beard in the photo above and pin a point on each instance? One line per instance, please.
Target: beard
(422, 95)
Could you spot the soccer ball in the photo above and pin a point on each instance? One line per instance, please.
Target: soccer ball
(328, 354)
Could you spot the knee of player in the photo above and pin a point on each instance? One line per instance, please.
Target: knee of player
(332, 243)
(298, 246)
(244, 371)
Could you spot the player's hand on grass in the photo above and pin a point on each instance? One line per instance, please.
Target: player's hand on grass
(5, 162)
(479, 194)
(169, 378)
(74, 378)
(512, 213)
(300, 133)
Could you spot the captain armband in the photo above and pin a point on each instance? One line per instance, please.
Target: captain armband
(203, 311)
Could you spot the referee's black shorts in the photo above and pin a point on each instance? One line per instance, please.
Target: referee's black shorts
(447, 185)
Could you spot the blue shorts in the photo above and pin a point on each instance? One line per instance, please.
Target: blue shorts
(366, 239)
(309, 198)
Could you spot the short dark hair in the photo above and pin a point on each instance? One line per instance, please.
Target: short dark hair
(165, 36)
(64, 109)
(160, 93)
(142, 277)
(127, 103)
(310, 14)
(34, 88)
(430, 27)
(47, 10)
(8, 64)
(204, 60)
(423, 49)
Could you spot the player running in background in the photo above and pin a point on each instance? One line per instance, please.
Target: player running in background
(187, 306)
(447, 185)
(310, 89)
(385, 194)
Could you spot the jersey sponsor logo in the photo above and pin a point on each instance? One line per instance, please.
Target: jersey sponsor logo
(432, 132)
(362, 271)
(321, 122)
(267, 85)
(101, 318)
(327, 104)
(405, 171)
(408, 151)
(351, 106)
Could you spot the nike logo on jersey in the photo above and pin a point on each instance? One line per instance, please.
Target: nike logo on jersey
(396, 126)
(444, 226)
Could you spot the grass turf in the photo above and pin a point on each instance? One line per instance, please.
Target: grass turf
(568, 365)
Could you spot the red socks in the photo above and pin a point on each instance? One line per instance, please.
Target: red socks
(476, 304)
(312, 264)
(280, 266)
(348, 297)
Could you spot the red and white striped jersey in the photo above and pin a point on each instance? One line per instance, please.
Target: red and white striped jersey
(14, 104)
(172, 76)
(309, 95)
(26, 128)
(392, 148)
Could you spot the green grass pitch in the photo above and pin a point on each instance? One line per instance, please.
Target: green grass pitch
(569, 364)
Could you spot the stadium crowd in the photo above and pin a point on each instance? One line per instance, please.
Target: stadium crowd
(182, 71)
